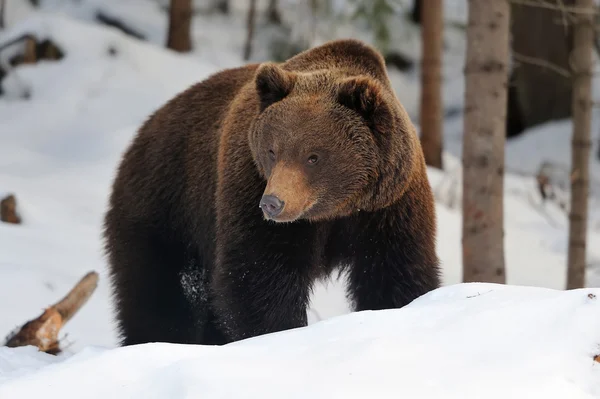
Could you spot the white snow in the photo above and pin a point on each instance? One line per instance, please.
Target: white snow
(464, 341)
(58, 153)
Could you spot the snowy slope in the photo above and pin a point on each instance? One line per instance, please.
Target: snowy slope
(465, 341)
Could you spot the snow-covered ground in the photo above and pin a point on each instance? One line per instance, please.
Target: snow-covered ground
(465, 341)
(58, 154)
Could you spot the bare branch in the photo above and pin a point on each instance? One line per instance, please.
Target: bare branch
(77, 297)
(542, 63)
(560, 7)
(16, 40)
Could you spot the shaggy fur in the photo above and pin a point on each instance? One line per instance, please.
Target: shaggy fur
(194, 259)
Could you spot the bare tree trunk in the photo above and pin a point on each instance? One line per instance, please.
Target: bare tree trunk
(314, 15)
(180, 19)
(581, 143)
(223, 6)
(250, 30)
(273, 14)
(431, 76)
(416, 12)
(486, 77)
(2, 9)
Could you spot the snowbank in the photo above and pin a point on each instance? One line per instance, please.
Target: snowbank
(463, 341)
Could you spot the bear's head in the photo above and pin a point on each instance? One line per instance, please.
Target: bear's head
(328, 144)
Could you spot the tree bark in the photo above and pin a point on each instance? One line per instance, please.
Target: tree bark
(486, 77)
(180, 19)
(581, 142)
(432, 28)
(250, 30)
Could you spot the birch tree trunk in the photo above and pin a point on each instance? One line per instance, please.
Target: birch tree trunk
(180, 19)
(581, 143)
(432, 27)
(486, 77)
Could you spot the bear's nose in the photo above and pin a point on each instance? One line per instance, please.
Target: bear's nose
(271, 205)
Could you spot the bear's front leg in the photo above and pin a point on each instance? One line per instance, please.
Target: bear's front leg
(262, 276)
(392, 257)
(262, 280)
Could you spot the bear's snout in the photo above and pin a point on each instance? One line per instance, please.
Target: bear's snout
(271, 205)
(287, 195)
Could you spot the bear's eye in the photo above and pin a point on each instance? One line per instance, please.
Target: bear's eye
(271, 155)
(312, 160)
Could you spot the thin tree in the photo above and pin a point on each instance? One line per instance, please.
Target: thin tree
(223, 6)
(2, 9)
(273, 14)
(486, 76)
(581, 142)
(180, 20)
(432, 28)
(250, 22)
(415, 12)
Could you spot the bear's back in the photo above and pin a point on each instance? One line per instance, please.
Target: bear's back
(350, 56)
(176, 145)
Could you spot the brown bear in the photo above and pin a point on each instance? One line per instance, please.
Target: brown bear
(240, 192)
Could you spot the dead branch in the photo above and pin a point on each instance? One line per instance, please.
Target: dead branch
(77, 297)
(559, 7)
(43, 331)
(33, 50)
(115, 22)
(8, 210)
(541, 63)
(22, 38)
(30, 53)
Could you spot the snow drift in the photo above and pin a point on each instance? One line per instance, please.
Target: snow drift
(462, 341)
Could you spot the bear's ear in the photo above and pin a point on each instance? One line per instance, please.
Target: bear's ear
(273, 84)
(366, 97)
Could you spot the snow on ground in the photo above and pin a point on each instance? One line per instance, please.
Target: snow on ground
(58, 154)
(464, 341)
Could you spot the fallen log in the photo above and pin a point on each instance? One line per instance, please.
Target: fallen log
(43, 331)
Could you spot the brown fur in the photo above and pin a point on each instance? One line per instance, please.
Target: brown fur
(290, 184)
(184, 206)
